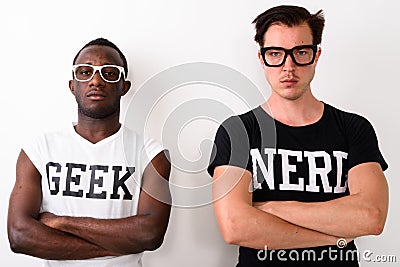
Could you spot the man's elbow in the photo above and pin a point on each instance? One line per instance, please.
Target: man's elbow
(377, 219)
(373, 220)
(15, 246)
(17, 240)
(152, 239)
(153, 243)
(230, 231)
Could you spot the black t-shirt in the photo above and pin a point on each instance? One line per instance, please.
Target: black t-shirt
(306, 163)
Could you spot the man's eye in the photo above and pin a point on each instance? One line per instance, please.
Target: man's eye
(274, 53)
(302, 52)
(86, 72)
(110, 73)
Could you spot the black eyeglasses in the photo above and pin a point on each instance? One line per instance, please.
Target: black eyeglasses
(301, 55)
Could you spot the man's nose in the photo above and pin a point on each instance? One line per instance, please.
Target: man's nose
(289, 64)
(97, 78)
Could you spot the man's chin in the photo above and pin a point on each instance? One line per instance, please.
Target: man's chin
(97, 114)
(291, 94)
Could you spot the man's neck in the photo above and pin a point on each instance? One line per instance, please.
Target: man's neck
(95, 130)
(300, 112)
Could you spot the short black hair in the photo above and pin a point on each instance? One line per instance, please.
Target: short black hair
(289, 16)
(105, 42)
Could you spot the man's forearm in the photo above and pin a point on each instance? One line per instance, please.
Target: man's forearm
(365, 208)
(330, 217)
(36, 239)
(242, 224)
(256, 229)
(132, 234)
(129, 235)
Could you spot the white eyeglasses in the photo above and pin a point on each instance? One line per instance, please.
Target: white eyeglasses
(109, 73)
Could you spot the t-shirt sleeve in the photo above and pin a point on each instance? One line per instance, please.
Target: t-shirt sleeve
(151, 149)
(231, 145)
(363, 144)
(33, 149)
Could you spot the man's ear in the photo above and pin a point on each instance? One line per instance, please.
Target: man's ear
(127, 86)
(317, 54)
(260, 58)
(71, 86)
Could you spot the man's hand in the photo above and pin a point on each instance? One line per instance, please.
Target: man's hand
(49, 219)
(264, 206)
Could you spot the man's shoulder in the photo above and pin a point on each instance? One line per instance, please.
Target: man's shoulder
(50, 134)
(344, 116)
(246, 118)
(132, 138)
(134, 135)
(39, 143)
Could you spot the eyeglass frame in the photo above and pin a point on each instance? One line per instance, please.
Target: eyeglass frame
(314, 48)
(99, 68)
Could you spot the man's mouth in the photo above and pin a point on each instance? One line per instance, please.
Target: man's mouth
(95, 95)
(289, 82)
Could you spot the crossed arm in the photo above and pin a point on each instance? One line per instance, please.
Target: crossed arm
(49, 236)
(292, 224)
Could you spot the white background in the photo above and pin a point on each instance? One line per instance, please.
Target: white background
(358, 71)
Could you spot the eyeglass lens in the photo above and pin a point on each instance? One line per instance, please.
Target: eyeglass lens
(276, 56)
(108, 73)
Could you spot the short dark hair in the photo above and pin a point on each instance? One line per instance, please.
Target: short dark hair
(289, 16)
(105, 42)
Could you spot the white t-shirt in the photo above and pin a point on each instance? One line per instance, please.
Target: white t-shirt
(99, 180)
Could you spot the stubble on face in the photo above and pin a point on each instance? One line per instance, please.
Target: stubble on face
(290, 82)
(99, 112)
(292, 87)
(109, 105)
